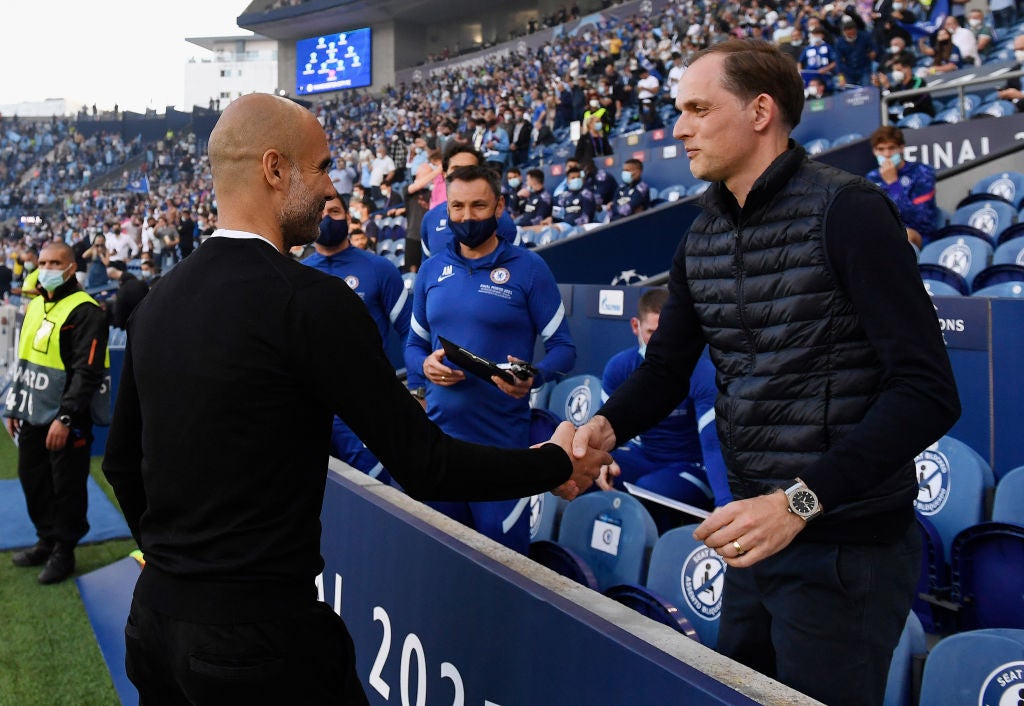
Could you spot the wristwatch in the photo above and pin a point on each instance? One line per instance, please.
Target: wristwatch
(65, 419)
(419, 393)
(802, 501)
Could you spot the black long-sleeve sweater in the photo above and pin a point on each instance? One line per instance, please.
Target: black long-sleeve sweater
(917, 401)
(218, 450)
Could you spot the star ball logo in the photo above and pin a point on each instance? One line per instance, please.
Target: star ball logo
(703, 577)
(500, 275)
(1004, 686)
(932, 469)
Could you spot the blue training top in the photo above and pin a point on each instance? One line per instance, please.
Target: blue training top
(494, 306)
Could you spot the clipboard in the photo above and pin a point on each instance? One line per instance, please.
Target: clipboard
(666, 501)
(471, 362)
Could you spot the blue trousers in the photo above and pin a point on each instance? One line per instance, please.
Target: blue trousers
(504, 521)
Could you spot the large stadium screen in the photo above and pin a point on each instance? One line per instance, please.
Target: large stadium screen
(332, 62)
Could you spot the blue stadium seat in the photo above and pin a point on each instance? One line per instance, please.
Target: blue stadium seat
(849, 137)
(543, 423)
(399, 246)
(995, 109)
(612, 532)
(563, 561)
(576, 398)
(817, 146)
(965, 669)
(942, 281)
(949, 116)
(907, 663)
(673, 193)
(1006, 290)
(965, 255)
(914, 121)
(991, 216)
(1009, 252)
(953, 481)
(1013, 232)
(987, 572)
(539, 396)
(933, 579)
(408, 279)
(998, 274)
(545, 516)
(690, 576)
(698, 188)
(652, 606)
(385, 246)
(1009, 185)
(1008, 505)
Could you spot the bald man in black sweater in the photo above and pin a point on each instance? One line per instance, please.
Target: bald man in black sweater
(218, 450)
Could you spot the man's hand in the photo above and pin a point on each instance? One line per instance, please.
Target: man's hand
(13, 426)
(439, 373)
(585, 467)
(608, 473)
(520, 389)
(57, 436)
(595, 434)
(746, 531)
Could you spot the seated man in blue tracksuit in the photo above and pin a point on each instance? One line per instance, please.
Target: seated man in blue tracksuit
(633, 195)
(599, 182)
(378, 283)
(575, 205)
(669, 458)
(494, 299)
(434, 231)
(536, 204)
(910, 185)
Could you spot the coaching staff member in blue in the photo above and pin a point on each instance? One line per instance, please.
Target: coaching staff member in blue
(379, 284)
(218, 449)
(435, 231)
(832, 376)
(494, 299)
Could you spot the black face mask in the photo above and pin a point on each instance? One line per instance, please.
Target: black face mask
(332, 232)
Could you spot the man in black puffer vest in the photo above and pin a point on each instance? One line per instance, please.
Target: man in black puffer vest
(832, 376)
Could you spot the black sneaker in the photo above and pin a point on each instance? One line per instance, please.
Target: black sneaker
(59, 566)
(36, 555)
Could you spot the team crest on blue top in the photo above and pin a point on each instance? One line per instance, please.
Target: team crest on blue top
(578, 405)
(957, 257)
(985, 219)
(932, 470)
(1004, 686)
(352, 281)
(702, 580)
(905, 182)
(499, 275)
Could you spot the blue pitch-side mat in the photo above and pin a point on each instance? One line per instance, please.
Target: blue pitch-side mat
(107, 595)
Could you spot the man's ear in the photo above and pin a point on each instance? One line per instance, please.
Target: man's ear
(274, 168)
(766, 112)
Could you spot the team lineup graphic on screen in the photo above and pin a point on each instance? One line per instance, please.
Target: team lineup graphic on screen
(331, 62)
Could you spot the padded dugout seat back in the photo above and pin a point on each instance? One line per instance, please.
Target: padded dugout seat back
(974, 667)
(612, 532)
(1009, 252)
(576, 398)
(1009, 500)
(990, 216)
(987, 572)
(905, 669)
(1008, 185)
(966, 255)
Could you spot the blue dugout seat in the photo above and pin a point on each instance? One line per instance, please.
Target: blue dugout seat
(673, 192)
(1009, 252)
(904, 682)
(953, 481)
(1008, 185)
(914, 121)
(942, 281)
(994, 109)
(848, 138)
(817, 146)
(1006, 290)
(987, 573)
(991, 216)
(545, 516)
(576, 398)
(966, 255)
(998, 274)
(932, 593)
(1008, 505)
(652, 606)
(1013, 232)
(613, 533)
(563, 561)
(974, 667)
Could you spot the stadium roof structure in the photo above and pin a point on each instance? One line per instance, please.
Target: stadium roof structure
(310, 18)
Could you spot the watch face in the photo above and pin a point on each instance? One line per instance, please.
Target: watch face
(803, 502)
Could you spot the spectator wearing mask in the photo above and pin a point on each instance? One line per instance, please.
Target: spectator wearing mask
(818, 57)
(982, 31)
(576, 205)
(536, 200)
(1012, 90)
(945, 55)
(520, 139)
(633, 195)
(910, 185)
(854, 54)
(510, 191)
(964, 40)
(902, 79)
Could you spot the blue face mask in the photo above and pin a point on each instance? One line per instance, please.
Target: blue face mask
(332, 232)
(627, 177)
(895, 159)
(473, 233)
(514, 182)
(574, 184)
(51, 279)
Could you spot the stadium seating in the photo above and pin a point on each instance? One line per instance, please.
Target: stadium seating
(904, 680)
(932, 592)
(953, 481)
(1008, 505)
(965, 669)
(966, 255)
(848, 138)
(1006, 290)
(652, 606)
(545, 516)
(914, 121)
(998, 274)
(1013, 232)
(673, 193)
(563, 561)
(1008, 185)
(949, 115)
(994, 109)
(987, 573)
(576, 398)
(942, 281)
(991, 216)
(1009, 252)
(817, 146)
(612, 532)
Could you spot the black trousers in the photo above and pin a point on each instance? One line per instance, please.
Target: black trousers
(306, 658)
(54, 482)
(822, 618)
